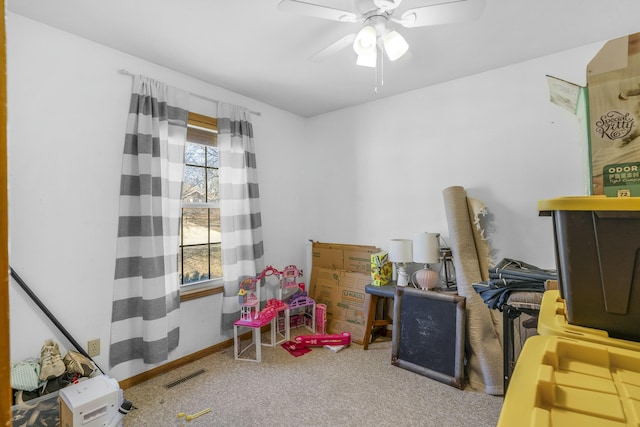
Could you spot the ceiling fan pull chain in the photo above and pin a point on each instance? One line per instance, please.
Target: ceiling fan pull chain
(375, 77)
(381, 69)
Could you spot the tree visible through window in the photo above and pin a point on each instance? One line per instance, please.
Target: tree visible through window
(200, 237)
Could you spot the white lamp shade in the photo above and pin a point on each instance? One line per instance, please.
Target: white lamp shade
(395, 45)
(368, 60)
(401, 250)
(365, 42)
(426, 248)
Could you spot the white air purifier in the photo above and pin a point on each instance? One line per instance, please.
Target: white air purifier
(91, 403)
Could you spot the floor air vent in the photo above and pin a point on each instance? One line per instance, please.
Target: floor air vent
(184, 379)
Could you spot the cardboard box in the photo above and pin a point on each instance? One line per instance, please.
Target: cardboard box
(327, 256)
(359, 261)
(609, 110)
(339, 275)
(613, 82)
(320, 276)
(350, 303)
(342, 292)
(326, 290)
(339, 256)
(381, 269)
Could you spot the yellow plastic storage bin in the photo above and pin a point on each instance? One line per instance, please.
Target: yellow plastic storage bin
(552, 320)
(564, 382)
(597, 242)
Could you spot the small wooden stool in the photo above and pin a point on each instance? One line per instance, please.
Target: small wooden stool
(372, 296)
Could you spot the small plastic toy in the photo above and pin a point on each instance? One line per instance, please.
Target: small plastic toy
(198, 414)
(295, 350)
(302, 312)
(192, 416)
(270, 310)
(289, 279)
(252, 317)
(247, 299)
(301, 300)
(269, 271)
(321, 340)
(321, 319)
(276, 304)
(242, 296)
(262, 318)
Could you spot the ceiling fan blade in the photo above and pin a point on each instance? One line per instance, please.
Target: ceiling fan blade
(333, 48)
(317, 11)
(442, 13)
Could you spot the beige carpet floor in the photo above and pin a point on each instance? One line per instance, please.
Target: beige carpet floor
(352, 387)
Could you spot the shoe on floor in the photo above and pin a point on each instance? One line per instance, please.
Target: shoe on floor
(78, 363)
(51, 364)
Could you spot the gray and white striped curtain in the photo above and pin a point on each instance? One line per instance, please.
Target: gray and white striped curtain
(146, 298)
(240, 219)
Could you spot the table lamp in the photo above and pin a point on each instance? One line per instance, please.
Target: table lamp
(401, 253)
(426, 250)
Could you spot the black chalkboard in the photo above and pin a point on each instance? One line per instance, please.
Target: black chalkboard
(428, 334)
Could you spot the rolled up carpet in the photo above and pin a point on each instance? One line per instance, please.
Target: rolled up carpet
(483, 346)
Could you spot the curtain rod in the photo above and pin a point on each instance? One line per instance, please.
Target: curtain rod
(127, 73)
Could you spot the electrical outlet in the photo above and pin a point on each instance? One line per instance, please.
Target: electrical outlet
(93, 347)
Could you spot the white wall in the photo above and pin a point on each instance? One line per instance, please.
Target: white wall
(379, 169)
(67, 114)
(360, 175)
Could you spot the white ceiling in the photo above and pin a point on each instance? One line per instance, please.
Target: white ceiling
(252, 48)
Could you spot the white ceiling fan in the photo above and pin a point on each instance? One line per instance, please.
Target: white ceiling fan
(378, 18)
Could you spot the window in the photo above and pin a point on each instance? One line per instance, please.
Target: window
(199, 257)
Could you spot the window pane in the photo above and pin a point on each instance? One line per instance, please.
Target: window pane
(216, 261)
(194, 154)
(213, 158)
(193, 189)
(215, 236)
(213, 185)
(195, 226)
(200, 248)
(195, 264)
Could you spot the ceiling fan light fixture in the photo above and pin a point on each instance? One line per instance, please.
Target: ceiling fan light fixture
(394, 45)
(367, 60)
(365, 42)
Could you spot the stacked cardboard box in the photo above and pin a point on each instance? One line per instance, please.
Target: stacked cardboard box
(339, 275)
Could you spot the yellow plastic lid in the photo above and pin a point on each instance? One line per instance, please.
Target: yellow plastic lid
(590, 203)
(560, 382)
(552, 320)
